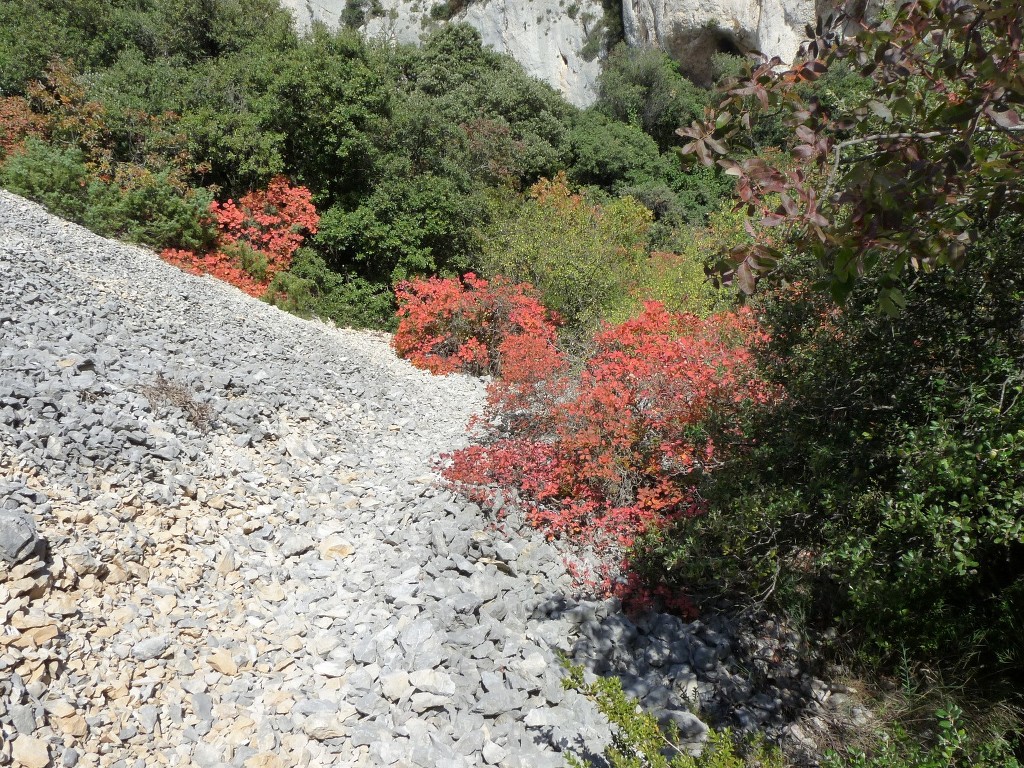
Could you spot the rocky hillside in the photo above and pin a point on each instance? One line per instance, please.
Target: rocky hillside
(558, 40)
(222, 544)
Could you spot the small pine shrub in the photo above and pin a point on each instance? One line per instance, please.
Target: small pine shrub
(149, 208)
(56, 177)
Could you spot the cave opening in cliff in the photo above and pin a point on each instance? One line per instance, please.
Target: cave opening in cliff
(725, 44)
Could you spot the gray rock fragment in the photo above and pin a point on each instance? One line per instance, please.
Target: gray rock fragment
(151, 648)
(18, 537)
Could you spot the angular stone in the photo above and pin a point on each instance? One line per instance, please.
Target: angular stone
(148, 716)
(73, 725)
(264, 760)
(202, 706)
(272, 592)
(29, 752)
(24, 719)
(222, 661)
(295, 543)
(492, 753)
(59, 708)
(396, 685)
(321, 726)
(335, 548)
(151, 648)
(83, 562)
(499, 702)
(207, 755)
(432, 681)
(532, 666)
(18, 537)
(331, 669)
(423, 701)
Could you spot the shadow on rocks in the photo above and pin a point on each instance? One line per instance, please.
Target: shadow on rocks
(746, 671)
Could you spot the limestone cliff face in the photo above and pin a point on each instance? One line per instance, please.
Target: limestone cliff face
(691, 31)
(542, 35)
(548, 36)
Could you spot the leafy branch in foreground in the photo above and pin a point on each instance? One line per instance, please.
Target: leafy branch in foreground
(906, 177)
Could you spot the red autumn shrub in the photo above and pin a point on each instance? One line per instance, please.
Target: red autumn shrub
(17, 123)
(257, 237)
(273, 222)
(216, 264)
(613, 454)
(472, 325)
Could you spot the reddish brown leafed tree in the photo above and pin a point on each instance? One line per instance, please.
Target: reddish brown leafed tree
(902, 180)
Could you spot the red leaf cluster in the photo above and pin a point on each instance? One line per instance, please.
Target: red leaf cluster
(471, 325)
(17, 123)
(607, 456)
(268, 226)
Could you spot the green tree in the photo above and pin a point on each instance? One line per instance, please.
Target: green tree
(643, 87)
(901, 181)
(583, 258)
(96, 32)
(410, 226)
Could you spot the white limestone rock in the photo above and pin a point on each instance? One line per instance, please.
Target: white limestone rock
(541, 35)
(691, 31)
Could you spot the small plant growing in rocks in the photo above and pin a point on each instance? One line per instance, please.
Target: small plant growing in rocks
(640, 741)
(166, 393)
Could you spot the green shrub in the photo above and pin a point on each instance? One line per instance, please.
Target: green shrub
(638, 740)
(679, 279)
(137, 205)
(954, 747)
(150, 209)
(55, 177)
(310, 289)
(418, 225)
(583, 258)
(886, 490)
(643, 87)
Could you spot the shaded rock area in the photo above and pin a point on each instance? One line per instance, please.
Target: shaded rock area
(225, 546)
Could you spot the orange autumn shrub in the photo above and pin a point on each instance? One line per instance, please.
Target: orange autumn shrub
(17, 123)
(257, 237)
(613, 454)
(470, 325)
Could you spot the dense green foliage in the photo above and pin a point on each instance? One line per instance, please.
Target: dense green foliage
(887, 485)
(902, 173)
(96, 33)
(584, 259)
(147, 209)
(643, 86)
(884, 491)
(410, 152)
